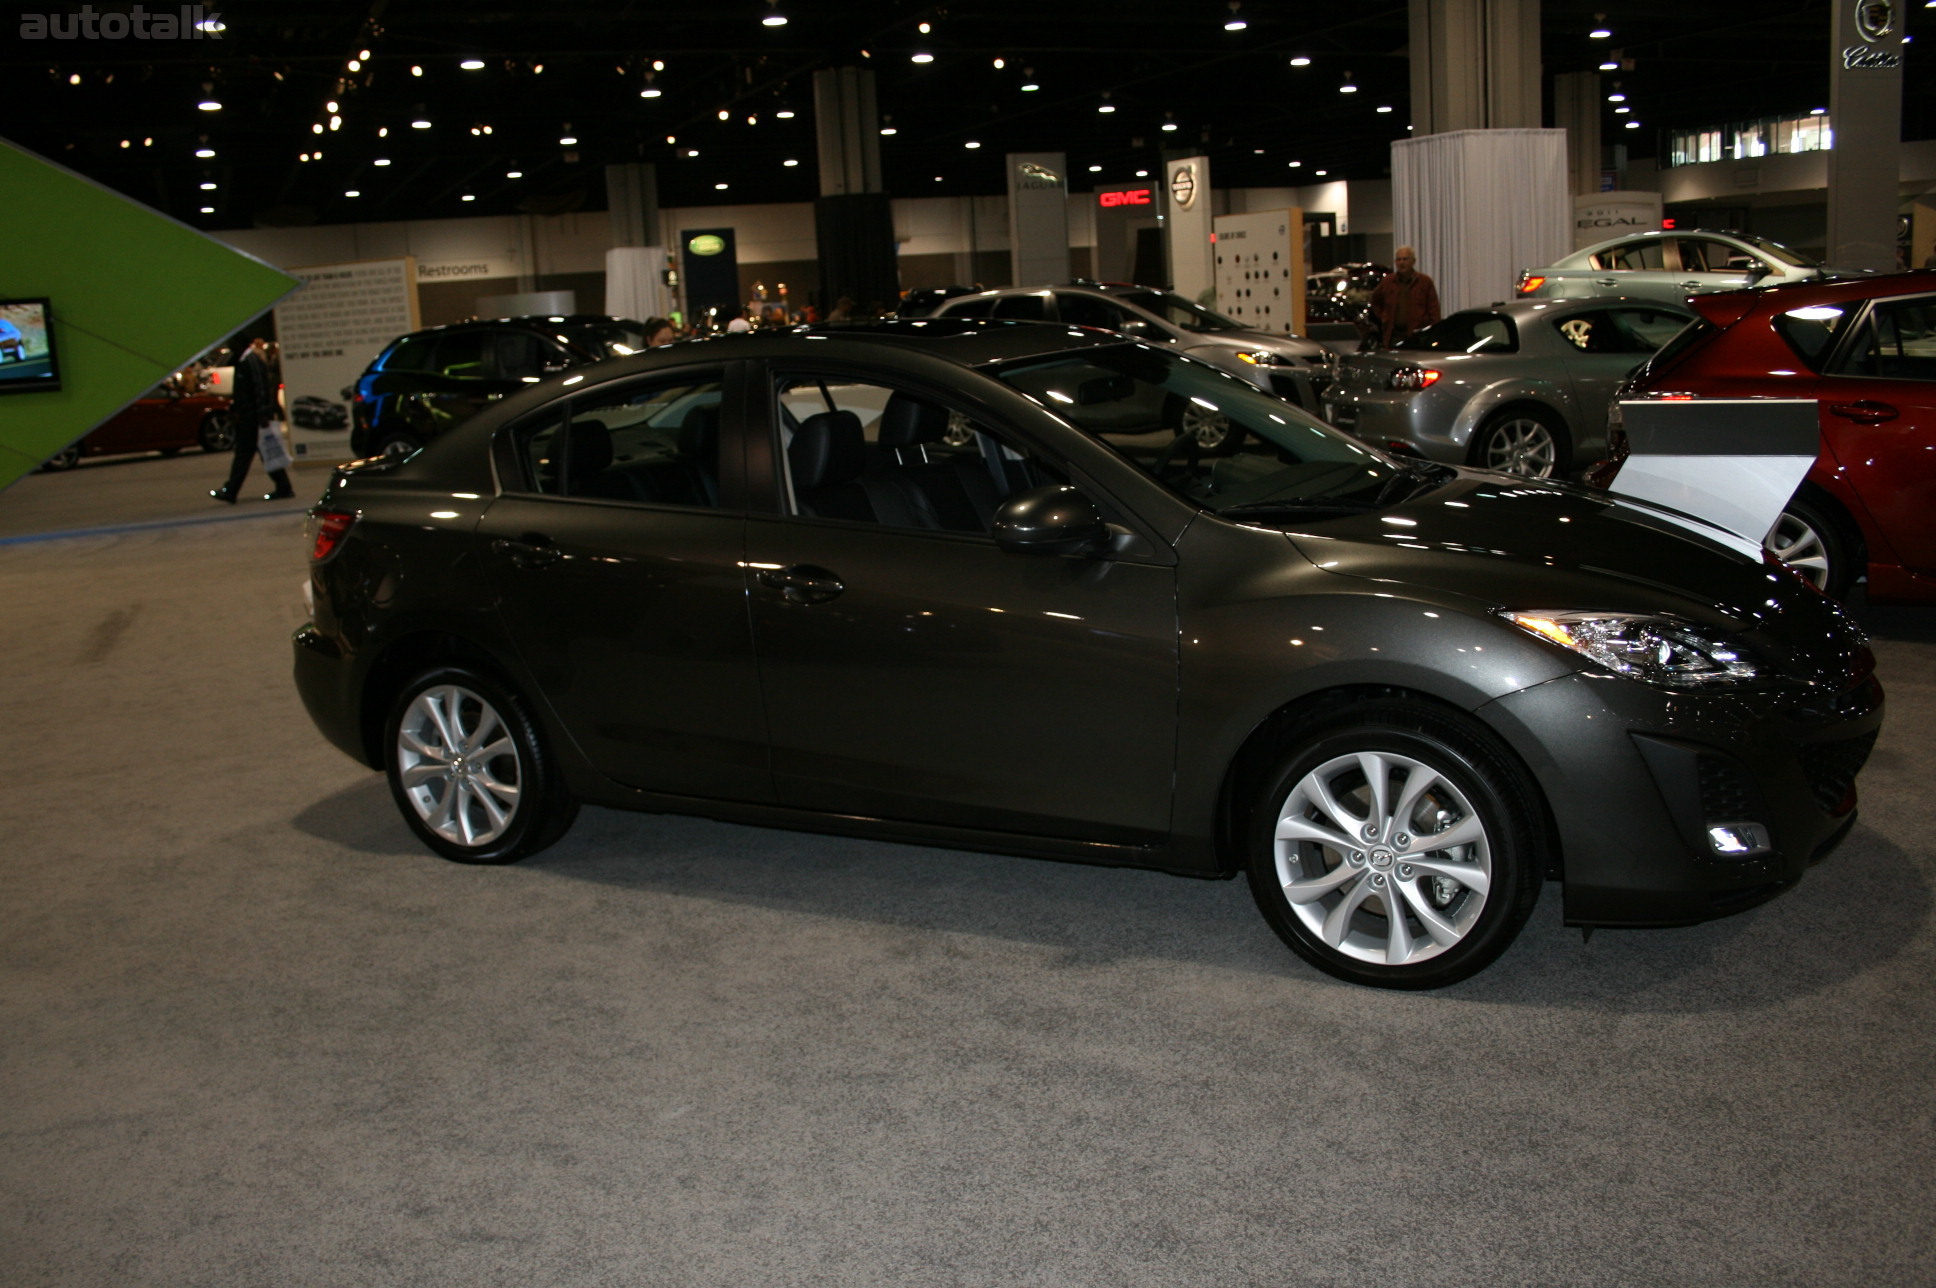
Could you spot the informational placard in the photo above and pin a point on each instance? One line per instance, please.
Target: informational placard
(329, 330)
(1260, 269)
(1734, 462)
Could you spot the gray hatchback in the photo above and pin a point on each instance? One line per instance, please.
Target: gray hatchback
(1521, 387)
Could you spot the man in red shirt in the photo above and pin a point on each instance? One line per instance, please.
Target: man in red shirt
(1406, 302)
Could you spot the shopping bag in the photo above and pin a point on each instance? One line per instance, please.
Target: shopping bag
(275, 453)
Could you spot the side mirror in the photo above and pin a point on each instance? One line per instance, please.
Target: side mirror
(1757, 270)
(1054, 520)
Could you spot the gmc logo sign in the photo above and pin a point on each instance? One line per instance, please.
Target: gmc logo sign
(1134, 197)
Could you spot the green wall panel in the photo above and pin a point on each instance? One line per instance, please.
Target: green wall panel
(135, 296)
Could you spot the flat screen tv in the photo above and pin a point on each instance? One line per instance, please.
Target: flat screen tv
(27, 361)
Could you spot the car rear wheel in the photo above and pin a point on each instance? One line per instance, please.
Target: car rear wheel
(470, 771)
(1521, 440)
(65, 459)
(216, 433)
(1212, 430)
(1396, 846)
(1811, 543)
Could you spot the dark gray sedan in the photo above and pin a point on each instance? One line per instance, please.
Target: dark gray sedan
(1521, 387)
(747, 578)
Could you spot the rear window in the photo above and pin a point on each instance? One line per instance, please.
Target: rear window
(412, 353)
(1811, 331)
(1474, 331)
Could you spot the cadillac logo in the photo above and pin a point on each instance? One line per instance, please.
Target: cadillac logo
(1183, 186)
(1875, 19)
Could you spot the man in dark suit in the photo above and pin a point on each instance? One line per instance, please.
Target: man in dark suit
(252, 406)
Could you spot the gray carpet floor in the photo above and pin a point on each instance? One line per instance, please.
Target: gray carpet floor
(251, 1034)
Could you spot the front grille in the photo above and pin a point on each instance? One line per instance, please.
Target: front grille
(1726, 794)
(1831, 767)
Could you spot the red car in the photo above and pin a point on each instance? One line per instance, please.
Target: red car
(1864, 349)
(158, 421)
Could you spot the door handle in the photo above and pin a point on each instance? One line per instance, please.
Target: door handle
(1690, 286)
(1606, 281)
(532, 550)
(803, 583)
(1866, 412)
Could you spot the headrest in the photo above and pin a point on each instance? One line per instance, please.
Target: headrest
(907, 421)
(827, 448)
(591, 447)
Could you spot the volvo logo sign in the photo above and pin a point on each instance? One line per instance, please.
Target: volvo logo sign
(1183, 186)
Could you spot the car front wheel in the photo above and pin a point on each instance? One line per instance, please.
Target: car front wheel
(1396, 846)
(1521, 441)
(216, 433)
(1809, 542)
(1212, 430)
(470, 771)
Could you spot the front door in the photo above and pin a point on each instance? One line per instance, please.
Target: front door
(914, 671)
(615, 552)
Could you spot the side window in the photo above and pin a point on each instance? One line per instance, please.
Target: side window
(871, 453)
(970, 309)
(1023, 308)
(466, 355)
(1897, 342)
(1633, 256)
(1596, 332)
(1087, 310)
(1651, 328)
(412, 353)
(526, 357)
(649, 442)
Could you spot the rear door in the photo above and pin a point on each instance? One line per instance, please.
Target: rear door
(1707, 264)
(1878, 401)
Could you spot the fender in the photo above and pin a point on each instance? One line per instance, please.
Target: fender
(1550, 394)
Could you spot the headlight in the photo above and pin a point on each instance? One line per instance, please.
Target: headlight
(1656, 650)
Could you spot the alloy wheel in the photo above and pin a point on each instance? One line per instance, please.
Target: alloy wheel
(1795, 542)
(1382, 857)
(1210, 428)
(1520, 445)
(458, 765)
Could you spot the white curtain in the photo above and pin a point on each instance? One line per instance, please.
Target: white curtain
(635, 282)
(1479, 206)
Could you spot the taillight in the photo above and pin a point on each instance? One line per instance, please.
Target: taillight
(1413, 378)
(1528, 283)
(327, 528)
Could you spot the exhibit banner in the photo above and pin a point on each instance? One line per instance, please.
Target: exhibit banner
(1732, 462)
(1602, 216)
(1187, 227)
(329, 331)
(1260, 269)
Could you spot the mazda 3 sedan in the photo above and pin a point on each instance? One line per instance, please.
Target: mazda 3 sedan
(746, 578)
(1671, 265)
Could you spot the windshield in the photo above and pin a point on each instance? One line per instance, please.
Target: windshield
(1179, 312)
(1474, 331)
(1775, 250)
(608, 339)
(1157, 410)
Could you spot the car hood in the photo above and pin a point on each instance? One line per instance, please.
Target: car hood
(1288, 345)
(1523, 544)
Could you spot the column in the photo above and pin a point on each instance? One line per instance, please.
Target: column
(1038, 218)
(853, 220)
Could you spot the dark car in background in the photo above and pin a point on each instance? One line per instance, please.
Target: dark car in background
(747, 579)
(1864, 349)
(162, 420)
(311, 412)
(427, 381)
(1521, 386)
(1293, 368)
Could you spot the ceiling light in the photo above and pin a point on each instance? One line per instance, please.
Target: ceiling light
(1609, 67)
(330, 106)
(1320, 173)
(74, 79)
(303, 157)
(926, 28)
(1107, 107)
(672, 138)
(514, 174)
(567, 140)
(205, 153)
(415, 70)
(1295, 164)
(1621, 111)
(1599, 33)
(1000, 63)
(208, 210)
(1095, 169)
(922, 58)
(1142, 174)
(719, 187)
(1616, 98)
(651, 91)
(1300, 61)
(468, 197)
(316, 128)
(752, 120)
(937, 178)
(209, 105)
(658, 65)
(383, 132)
(1236, 21)
(355, 66)
(353, 193)
(1633, 125)
(1347, 87)
(1818, 111)
(214, 26)
(1170, 126)
(784, 114)
(381, 161)
(335, 122)
(775, 18)
(364, 55)
(971, 144)
(420, 124)
(1030, 88)
(208, 187)
(1384, 108)
(789, 162)
(725, 115)
(472, 64)
(888, 129)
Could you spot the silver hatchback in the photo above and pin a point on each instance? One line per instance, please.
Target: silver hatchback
(1521, 387)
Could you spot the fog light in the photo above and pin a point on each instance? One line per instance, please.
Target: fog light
(1738, 840)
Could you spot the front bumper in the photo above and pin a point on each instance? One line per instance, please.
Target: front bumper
(1413, 417)
(1635, 777)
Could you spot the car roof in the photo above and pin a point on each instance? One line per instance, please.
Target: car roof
(968, 341)
(529, 322)
(1579, 304)
(1725, 307)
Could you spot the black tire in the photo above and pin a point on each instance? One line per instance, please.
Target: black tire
(1480, 889)
(1524, 440)
(168, 451)
(460, 749)
(216, 433)
(1812, 542)
(1214, 432)
(398, 444)
(65, 459)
